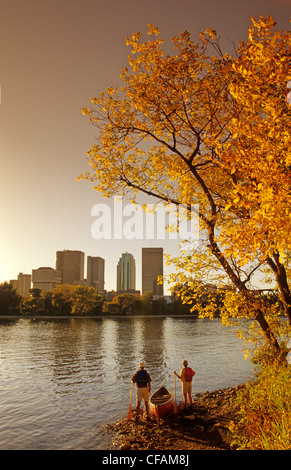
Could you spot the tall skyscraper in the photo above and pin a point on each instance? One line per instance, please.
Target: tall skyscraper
(152, 267)
(126, 273)
(95, 272)
(70, 263)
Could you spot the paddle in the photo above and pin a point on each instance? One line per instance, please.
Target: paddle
(175, 403)
(129, 416)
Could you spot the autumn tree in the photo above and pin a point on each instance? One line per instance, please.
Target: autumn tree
(178, 130)
(259, 152)
(64, 299)
(9, 300)
(76, 300)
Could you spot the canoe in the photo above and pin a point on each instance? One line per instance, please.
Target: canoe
(161, 402)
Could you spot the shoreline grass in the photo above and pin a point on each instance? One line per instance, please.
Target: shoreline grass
(265, 409)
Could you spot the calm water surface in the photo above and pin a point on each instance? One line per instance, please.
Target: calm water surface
(62, 380)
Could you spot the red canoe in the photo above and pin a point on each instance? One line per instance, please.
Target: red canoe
(161, 402)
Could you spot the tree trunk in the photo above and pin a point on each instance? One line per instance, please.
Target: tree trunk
(259, 316)
(281, 278)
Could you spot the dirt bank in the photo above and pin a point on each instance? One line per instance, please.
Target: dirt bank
(203, 426)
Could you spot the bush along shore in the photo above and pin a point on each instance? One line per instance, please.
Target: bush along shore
(265, 410)
(254, 416)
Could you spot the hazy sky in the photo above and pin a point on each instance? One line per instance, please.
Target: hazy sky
(54, 56)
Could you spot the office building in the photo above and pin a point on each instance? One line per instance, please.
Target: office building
(95, 272)
(22, 284)
(152, 267)
(70, 263)
(126, 273)
(45, 278)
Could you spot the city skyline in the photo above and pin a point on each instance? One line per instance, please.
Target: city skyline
(64, 267)
(55, 56)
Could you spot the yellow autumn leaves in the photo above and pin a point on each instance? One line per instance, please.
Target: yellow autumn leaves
(214, 130)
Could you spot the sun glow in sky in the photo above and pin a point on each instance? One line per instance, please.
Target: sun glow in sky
(54, 56)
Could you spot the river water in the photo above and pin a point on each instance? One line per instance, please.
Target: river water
(62, 380)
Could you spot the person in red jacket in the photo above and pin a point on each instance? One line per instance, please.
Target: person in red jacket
(186, 376)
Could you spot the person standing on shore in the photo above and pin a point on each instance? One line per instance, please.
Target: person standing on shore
(186, 376)
(143, 384)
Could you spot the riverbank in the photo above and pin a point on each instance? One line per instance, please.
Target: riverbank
(203, 426)
(88, 317)
(82, 369)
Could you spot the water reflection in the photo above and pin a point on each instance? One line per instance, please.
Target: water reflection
(60, 377)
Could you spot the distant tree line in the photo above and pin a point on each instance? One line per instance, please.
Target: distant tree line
(67, 300)
(126, 304)
(62, 300)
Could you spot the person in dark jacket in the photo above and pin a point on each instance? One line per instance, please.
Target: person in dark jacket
(143, 387)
